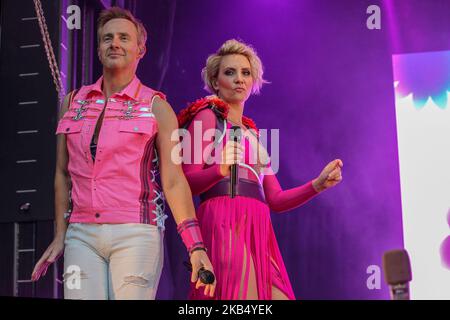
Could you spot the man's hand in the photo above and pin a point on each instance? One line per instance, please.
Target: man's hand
(53, 252)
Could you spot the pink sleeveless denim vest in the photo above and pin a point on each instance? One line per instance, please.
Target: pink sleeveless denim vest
(119, 186)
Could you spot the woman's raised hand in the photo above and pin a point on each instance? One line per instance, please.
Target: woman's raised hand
(330, 176)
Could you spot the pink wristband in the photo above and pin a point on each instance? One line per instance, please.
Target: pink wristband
(189, 230)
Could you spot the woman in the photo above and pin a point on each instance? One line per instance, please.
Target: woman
(237, 231)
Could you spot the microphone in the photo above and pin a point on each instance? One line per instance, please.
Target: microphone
(397, 273)
(235, 135)
(205, 276)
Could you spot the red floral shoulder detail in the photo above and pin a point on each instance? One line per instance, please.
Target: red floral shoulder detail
(220, 107)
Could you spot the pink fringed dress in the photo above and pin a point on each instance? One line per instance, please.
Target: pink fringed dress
(239, 228)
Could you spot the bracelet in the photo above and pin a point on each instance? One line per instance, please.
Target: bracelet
(198, 248)
(190, 233)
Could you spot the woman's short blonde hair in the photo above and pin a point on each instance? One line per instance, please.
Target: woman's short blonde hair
(233, 46)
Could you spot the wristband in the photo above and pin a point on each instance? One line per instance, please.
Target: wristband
(190, 233)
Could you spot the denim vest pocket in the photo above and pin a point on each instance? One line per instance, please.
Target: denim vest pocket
(74, 139)
(137, 126)
(68, 126)
(133, 147)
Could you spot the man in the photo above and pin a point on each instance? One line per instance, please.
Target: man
(111, 135)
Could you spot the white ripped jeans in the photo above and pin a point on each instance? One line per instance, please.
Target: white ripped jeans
(112, 261)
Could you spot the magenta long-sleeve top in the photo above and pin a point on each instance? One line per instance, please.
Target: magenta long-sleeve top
(201, 175)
